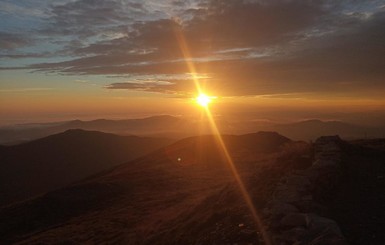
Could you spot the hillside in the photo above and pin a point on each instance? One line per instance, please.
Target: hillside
(179, 194)
(58, 160)
(330, 192)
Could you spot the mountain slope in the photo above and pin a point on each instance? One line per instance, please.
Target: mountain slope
(55, 161)
(181, 194)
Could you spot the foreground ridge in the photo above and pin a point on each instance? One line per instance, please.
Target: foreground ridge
(292, 214)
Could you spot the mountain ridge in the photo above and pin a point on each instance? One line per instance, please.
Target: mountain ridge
(56, 160)
(179, 127)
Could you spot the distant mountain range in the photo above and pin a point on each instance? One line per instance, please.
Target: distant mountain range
(178, 128)
(146, 126)
(55, 161)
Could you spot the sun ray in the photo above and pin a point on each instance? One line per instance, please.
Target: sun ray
(204, 100)
(238, 178)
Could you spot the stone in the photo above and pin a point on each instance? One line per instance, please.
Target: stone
(295, 220)
(282, 208)
(327, 240)
(322, 225)
(293, 235)
(325, 163)
(298, 180)
(325, 139)
(294, 194)
(288, 195)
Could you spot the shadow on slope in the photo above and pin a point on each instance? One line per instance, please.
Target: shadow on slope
(58, 160)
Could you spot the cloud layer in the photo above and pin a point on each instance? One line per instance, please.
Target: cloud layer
(242, 47)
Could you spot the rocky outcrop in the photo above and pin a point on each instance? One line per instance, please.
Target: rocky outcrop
(293, 215)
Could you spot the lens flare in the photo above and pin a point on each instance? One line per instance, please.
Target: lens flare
(203, 100)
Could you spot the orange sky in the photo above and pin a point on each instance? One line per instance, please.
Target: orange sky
(276, 60)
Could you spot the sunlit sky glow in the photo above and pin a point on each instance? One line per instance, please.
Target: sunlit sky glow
(203, 100)
(83, 58)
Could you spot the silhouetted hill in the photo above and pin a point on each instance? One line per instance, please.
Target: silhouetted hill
(181, 194)
(265, 141)
(54, 161)
(312, 129)
(151, 125)
(179, 128)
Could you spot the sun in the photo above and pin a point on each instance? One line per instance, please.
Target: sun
(203, 100)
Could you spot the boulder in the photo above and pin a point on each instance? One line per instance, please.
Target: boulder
(295, 220)
(293, 235)
(324, 225)
(326, 163)
(280, 209)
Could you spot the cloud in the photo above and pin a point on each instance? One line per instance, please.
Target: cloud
(14, 9)
(246, 47)
(87, 18)
(9, 41)
(225, 24)
(24, 55)
(182, 87)
(22, 90)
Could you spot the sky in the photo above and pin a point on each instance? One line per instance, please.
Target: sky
(271, 59)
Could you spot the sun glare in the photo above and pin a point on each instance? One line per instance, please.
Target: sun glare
(203, 100)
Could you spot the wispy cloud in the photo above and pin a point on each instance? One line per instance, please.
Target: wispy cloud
(10, 8)
(20, 90)
(10, 41)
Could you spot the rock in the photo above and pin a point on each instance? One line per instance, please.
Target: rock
(295, 220)
(324, 225)
(294, 194)
(248, 232)
(301, 183)
(330, 147)
(293, 235)
(282, 208)
(326, 240)
(288, 195)
(298, 180)
(325, 163)
(326, 139)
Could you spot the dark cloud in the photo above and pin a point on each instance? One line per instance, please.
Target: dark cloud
(225, 24)
(354, 53)
(175, 87)
(9, 41)
(145, 36)
(22, 56)
(86, 18)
